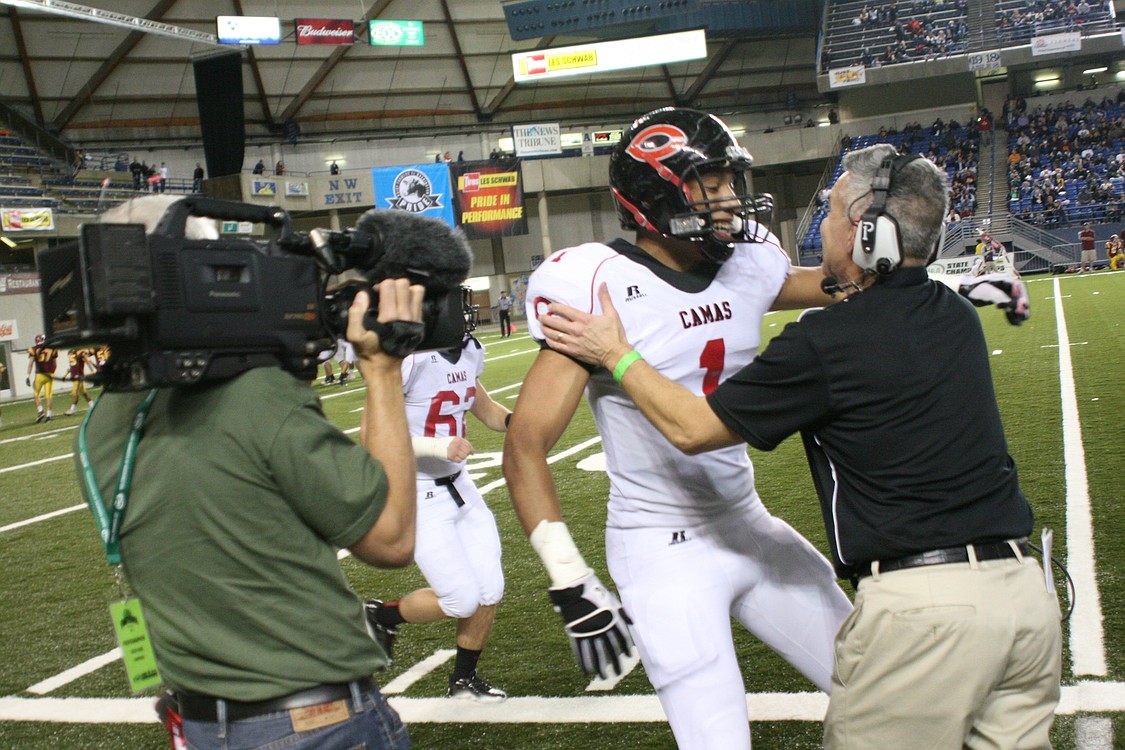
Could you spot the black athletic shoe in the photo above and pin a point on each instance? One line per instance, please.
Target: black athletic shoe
(383, 635)
(475, 688)
(41, 418)
(329, 379)
(343, 380)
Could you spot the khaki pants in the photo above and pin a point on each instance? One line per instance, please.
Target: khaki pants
(948, 656)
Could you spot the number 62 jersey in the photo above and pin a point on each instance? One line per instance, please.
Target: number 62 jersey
(696, 328)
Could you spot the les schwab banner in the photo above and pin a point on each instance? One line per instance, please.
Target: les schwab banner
(489, 199)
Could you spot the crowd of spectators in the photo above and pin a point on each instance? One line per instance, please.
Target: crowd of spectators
(1066, 162)
(899, 32)
(951, 145)
(1032, 17)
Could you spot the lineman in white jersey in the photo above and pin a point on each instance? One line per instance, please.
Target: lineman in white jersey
(688, 542)
(457, 545)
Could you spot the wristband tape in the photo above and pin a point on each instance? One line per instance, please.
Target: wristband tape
(624, 364)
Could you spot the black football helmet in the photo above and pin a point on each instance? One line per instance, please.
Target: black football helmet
(649, 170)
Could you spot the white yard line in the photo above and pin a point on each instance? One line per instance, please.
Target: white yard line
(1087, 638)
(40, 462)
(72, 674)
(44, 517)
(403, 682)
(1101, 697)
(36, 435)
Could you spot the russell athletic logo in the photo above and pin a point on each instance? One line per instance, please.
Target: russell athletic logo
(413, 192)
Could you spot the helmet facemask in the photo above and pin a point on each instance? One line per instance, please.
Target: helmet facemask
(750, 213)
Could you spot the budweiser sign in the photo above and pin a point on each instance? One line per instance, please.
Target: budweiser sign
(324, 31)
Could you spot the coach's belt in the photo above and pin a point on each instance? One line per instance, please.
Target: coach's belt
(447, 482)
(194, 707)
(994, 551)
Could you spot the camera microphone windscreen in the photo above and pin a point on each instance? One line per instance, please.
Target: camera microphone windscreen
(427, 250)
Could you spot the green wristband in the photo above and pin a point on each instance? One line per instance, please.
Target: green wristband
(624, 363)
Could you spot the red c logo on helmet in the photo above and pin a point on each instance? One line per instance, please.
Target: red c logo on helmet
(656, 143)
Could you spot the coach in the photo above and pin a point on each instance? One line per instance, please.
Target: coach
(242, 492)
(955, 640)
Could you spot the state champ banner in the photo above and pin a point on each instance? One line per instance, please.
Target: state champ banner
(421, 189)
(489, 198)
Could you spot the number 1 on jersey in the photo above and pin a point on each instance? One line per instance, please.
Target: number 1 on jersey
(711, 362)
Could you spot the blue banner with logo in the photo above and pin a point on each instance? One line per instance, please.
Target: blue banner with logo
(422, 189)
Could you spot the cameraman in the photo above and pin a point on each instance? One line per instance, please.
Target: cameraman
(230, 538)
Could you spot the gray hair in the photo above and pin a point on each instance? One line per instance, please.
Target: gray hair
(149, 209)
(918, 199)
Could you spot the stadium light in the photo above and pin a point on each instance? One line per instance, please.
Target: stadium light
(1091, 71)
(8, 242)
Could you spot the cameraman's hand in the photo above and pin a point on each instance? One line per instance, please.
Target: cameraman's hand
(398, 300)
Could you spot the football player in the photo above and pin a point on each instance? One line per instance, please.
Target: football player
(44, 360)
(457, 545)
(77, 360)
(689, 543)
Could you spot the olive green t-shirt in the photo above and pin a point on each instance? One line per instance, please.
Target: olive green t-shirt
(242, 493)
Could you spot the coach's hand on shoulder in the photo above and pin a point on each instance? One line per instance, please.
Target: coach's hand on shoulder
(596, 624)
(1000, 289)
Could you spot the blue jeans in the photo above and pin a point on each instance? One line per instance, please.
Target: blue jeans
(373, 725)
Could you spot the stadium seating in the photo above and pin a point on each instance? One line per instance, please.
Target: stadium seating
(1019, 20)
(858, 32)
(953, 149)
(28, 179)
(1071, 164)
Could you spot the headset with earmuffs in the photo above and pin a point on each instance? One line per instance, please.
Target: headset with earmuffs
(878, 246)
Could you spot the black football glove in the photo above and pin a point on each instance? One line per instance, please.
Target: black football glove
(596, 624)
(1000, 289)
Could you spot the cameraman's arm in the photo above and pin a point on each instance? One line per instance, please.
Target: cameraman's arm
(390, 541)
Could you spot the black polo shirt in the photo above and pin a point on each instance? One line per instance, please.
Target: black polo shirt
(892, 393)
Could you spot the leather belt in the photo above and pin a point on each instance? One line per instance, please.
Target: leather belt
(195, 707)
(992, 551)
(447, 482)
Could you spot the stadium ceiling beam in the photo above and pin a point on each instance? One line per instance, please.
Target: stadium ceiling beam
(461, 60)
(709, 71)
(106, 68)
(267, 114)
(29, 77)
(493, 106)
(149, 25)
(327, 66)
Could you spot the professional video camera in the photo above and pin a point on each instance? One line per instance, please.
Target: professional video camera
(178, 312)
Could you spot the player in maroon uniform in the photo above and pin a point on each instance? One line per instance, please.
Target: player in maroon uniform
(43, 360)
(79, 358)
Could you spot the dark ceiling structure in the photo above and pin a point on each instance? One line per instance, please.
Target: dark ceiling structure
(99, 83)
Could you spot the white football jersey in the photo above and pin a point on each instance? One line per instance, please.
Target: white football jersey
(439, 394)
(695, 330)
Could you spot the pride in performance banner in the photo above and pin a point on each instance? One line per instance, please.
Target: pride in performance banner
(418, 188)
(489, 198)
